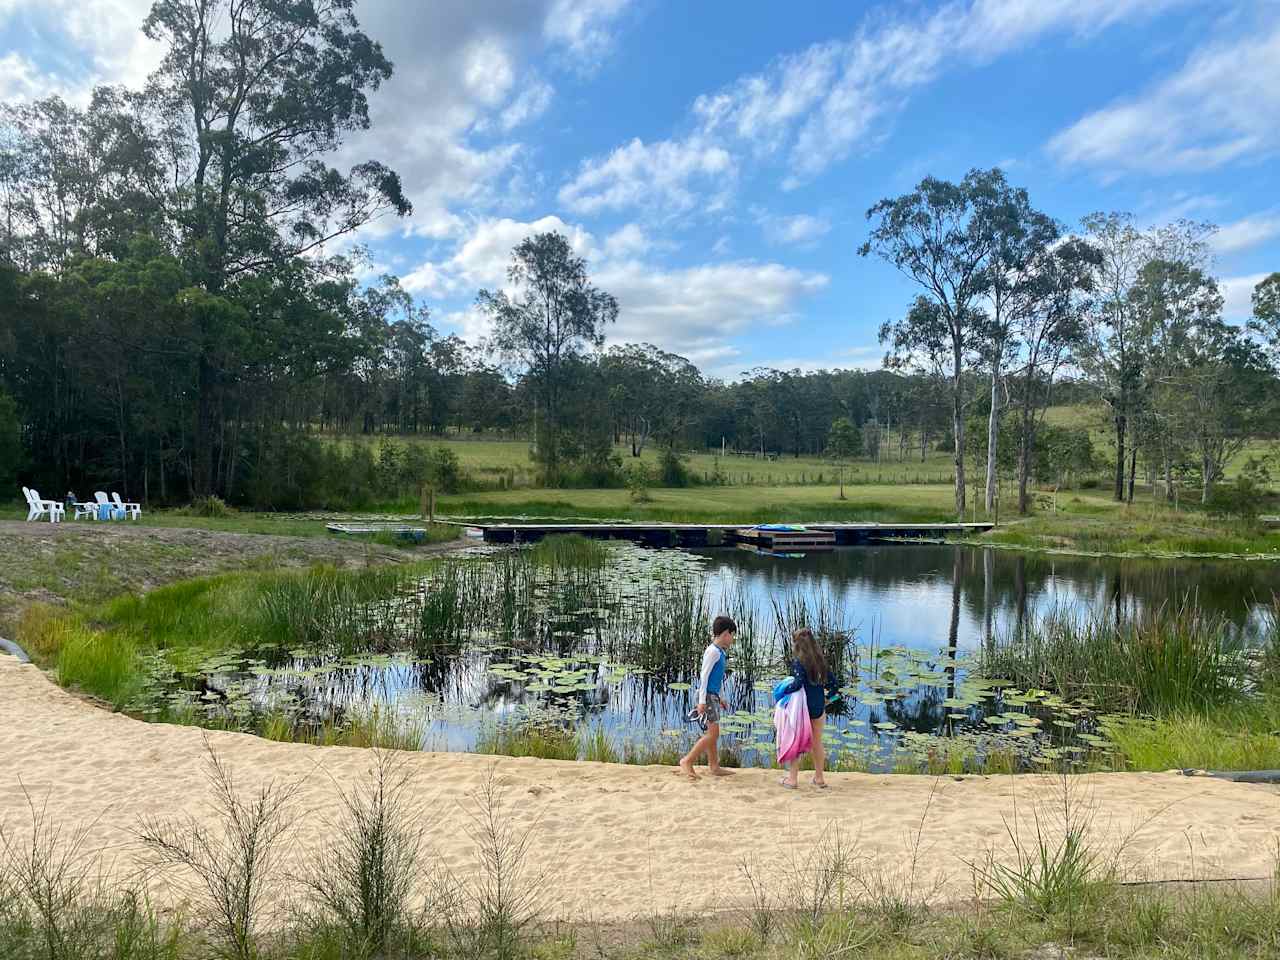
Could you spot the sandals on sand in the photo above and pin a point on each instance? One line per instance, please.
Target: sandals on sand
(786, 784)
(821, 786)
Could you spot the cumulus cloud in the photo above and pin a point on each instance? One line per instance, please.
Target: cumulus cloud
(800, 230)
(695, 311)
(1220, 106)
(87, 43)
(1237, 295)
(584, 27)
(811, 108)
(664, 174)
(1246, 234)
(445, 121)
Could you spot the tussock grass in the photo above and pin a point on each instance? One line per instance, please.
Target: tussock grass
(105, 664)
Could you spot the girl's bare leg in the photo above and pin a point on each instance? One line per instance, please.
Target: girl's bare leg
(793, 771)
(819, 751)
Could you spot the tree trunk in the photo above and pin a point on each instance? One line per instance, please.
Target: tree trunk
(1121, 429)
(957, 429)
(1024, 459)
(202, 469)
(1133, 467)
(993, 434)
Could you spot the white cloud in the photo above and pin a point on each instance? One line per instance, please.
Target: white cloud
(103, 40)
(584, 27)
(1221, 106)
(483, 258)
(1245, 234)
(1237, 295)
(812, 108)
(627, 241)
(655, 175)
(20, 79)
(529, 104)
(802, 229)
(696, 311)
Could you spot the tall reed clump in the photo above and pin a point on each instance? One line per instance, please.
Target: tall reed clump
(528, 740)
(339, 611)
(1164, 660)
(571, 550)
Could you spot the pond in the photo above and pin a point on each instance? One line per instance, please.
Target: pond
(601, 660)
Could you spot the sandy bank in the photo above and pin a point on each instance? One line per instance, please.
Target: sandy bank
(621, 841)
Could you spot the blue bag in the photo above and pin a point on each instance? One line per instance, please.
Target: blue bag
(784, 688)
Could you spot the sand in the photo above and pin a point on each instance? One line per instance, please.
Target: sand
(621, 842)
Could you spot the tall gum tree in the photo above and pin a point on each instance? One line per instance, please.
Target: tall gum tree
(939, 235)
(262, 91)
(552, 313)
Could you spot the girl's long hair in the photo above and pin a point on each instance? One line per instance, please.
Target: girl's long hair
(810, 654)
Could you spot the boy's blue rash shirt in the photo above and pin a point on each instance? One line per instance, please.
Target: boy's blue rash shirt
(711, 677)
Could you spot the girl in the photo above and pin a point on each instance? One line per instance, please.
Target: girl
(809, 672)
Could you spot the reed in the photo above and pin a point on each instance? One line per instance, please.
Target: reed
(546, 743)
(104, 664)
(1168, 660)
(570, 551)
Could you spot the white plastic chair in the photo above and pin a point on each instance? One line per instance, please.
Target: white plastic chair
(37, 506)
(102, 500)
(128, 507)
(84, 509)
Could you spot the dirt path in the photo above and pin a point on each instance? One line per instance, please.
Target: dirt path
(621, 842)
(93, 561)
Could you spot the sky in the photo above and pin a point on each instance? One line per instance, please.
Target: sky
(714, 160)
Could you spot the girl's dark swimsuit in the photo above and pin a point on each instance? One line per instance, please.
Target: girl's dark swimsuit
(815, 694)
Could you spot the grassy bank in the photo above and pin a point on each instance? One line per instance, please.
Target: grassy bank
(376, 889)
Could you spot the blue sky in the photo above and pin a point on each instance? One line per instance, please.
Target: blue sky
(714, 160)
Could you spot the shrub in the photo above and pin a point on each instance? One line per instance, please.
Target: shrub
(672, 470)
(210, 506)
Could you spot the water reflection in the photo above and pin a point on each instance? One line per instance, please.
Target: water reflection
(937, 596)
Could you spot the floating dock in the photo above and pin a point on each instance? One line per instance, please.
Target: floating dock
(398, 530)
(714, 534)
(786, 539)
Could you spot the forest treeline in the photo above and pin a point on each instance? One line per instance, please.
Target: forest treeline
(174, 325)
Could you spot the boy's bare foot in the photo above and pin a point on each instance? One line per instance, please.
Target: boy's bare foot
(721, 772)
(686, 767)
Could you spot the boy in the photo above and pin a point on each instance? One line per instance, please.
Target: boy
(710, 703)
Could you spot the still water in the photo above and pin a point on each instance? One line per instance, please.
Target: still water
(914, 615)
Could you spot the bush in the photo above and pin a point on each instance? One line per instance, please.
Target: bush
(209, 506)
(672, 470)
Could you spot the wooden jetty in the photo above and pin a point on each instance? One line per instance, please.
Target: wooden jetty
(781, 539)
(400, 531)
(709, 534)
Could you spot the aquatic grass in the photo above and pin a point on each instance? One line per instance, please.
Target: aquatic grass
(1159, 661)
(594, 744)
(1241, 737)
(572, 550)
(546, 743)
(103, 664)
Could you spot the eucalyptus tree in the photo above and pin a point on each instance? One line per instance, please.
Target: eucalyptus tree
(1047, 329)
(1021, 237)
(1266, 311)
(261, 91)
(551, 316)
(939, 235)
